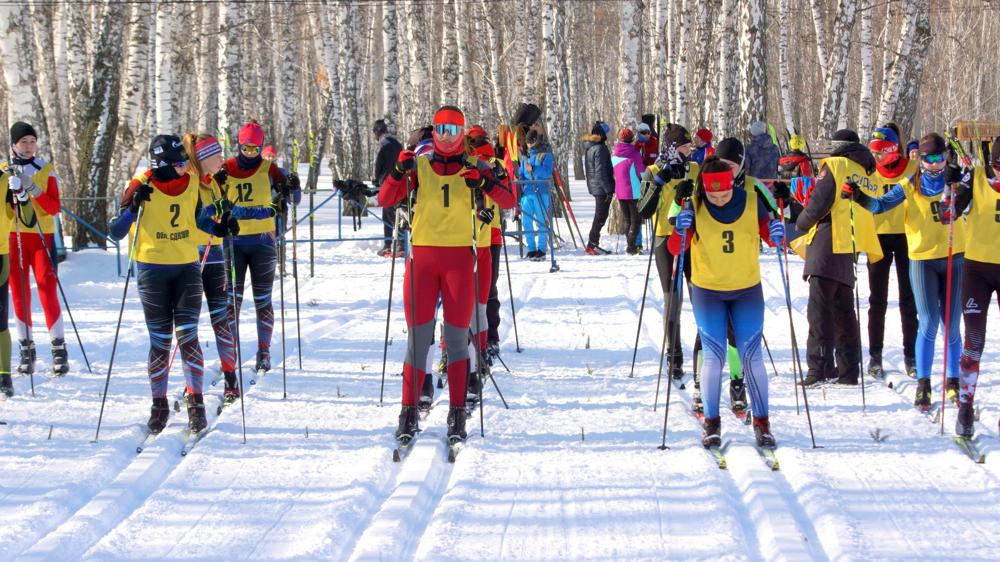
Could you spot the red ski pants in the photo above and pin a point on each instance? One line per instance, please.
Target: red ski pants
(34, 257)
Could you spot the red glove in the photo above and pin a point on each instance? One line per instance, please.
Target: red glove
(406, 162)
(473, 179)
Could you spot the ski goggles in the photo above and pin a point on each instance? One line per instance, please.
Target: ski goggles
(443, 129)
(933, 158)
(179, 164)
(250, 148)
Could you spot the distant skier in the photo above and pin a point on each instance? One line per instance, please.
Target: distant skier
(726, 286)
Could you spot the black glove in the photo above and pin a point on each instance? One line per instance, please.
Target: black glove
(406, 162)
(678, 171)
(140, 195)
(683, 190)
(221, 176)
(781, 191)
(234, 225)
(486, 215)
(957, 175)
(221, 228)
(291, 184)
(665, 174)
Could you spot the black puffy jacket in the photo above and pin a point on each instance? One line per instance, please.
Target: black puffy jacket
(597, 167)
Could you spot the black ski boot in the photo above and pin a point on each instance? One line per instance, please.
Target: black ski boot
(456, 424)
(875, 366)
(474, 384)
(60, 359)
(951, 385)
(762, 431)
(196, 413)
(737, 395)
(711, 432)
(6, 386)
(232, 392)
(965, 422)
(427, 393)
(158, 415)
(263, 361)
(910, 364)
(409, 424)
(923, 399)
(812, 379)
(27, 365)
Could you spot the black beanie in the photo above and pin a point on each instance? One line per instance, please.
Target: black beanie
(20, 130)
(730, 149)
(677, 136)
(845, 135)
(932, 143)
(165, 150)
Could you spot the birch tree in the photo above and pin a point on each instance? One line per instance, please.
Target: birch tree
(24, 103)
(836, 77)
(660, 63)
(206, 60)
(628, 69)
(726, 27)
(907, 106)
(865, 102)
(131, 138)
(754, 68)
(493, 42)
(784, 76)
(349, 88)
(893, 82)
(288, 102)
(551, 65)
(683, 27)
(449, 62)
(165, 108)
(230, 69)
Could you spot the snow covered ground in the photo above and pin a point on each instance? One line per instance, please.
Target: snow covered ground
(570, 472)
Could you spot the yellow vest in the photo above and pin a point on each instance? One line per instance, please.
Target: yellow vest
(983, 229)
(725, 257)
(893, 221)
(864, 239)
(443, 213)
(253, 191)
(662, 217)
(166, 232)
(207, 194)
(6, 216)
(926, 237)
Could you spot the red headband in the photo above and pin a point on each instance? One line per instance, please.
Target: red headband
(449, 116)
(716, 182)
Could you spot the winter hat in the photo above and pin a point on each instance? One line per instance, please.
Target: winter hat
(912, 145)
(20, 130)
(730, 149)
(626, 135)
(883, 139)
(932, 143)
(797, 142)
(643, 129)
(269, 153)
(649, 119)
(758, 128)
(601, 129)
(380, 128)
(251, 133)
(166, 150)
(705, 135)
(477, 132)
(677, 135)
(845, 135)
(207, 148)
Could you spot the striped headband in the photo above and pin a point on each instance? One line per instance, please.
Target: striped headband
(207, 148)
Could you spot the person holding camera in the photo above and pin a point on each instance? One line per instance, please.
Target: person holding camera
(385, 158)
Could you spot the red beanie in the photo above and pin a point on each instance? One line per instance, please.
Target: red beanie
(705, 135)
(251, 133)
(626, 135)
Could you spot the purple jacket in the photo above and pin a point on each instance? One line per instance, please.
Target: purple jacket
(627, 162)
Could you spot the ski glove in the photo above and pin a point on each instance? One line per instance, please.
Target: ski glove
(684, 221)
(683, 191)
(140, 195)
(850, 190)
(221, 176)
(291, 184)
(15, 187)
(473, 179)
(407, 162)
(678, 171)
(234, 225)
(664, 175)
(955, 174)
(777, 231)
(486, 215)
(221, 228)
(781, 191)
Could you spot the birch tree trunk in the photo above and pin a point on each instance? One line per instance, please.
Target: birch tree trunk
(551, 67)
(836, 78)
(208, 85)
(390, 65)
(628, 69)
(43, 21)
(131, 138)
(458, 23)
(229, 70)
(349, 88)
(288, 99)
(726, 27)
(819, 25)
(703, 66)
(683, 27)
(166, 121)
(418, 64)
(96, 144)
(493, 41)
(24, 103)
(449, 57)
(907, 108)
(529, 70)
(78, 83)
(894, 82)
(660, 62)
(784, 76)
(754, 67)
(865, 124)
(565, 107)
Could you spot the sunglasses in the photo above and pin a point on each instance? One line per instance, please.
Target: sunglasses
(933, 158)
(250, 148)
(444, 129)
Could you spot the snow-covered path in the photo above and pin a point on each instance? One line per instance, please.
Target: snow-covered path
(570, 471)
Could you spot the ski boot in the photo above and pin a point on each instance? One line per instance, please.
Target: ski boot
(263, 361)
(473, 386)
(875, 367)
(60, 359)
(910, 364)
(6, 386)
(409, 424)
(737, 396)
(711, 433)
(456, 424)
(232, 392)
(427, 394)
(158, 415)
(813, 379)
(951, 385)
(762, 431)
(923, 398)
(965, 422)
(492, 350)
(696, 404)
(27, 365)
(196, 413)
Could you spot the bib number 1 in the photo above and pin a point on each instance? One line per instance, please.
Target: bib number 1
(444, 190)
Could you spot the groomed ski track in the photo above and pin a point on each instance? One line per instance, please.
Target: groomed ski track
(570, 472)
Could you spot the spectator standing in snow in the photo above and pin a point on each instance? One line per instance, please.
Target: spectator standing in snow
(385, 158)
(600, 182)
(702, 145)
(628, 168)
(762, 153)
(536, 202)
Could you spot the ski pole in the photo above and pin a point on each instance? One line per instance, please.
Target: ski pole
(121, 311)
(411, 267)
(510, 289)
(857, 307)
(475, 307)
(388, 308)
(672, 308)
(678, 303)
(26, 309)
(295, 253)
(62, 293)
(769, 356)
(947, 300)
(645, 289)
(281, 285)
(236, 332)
